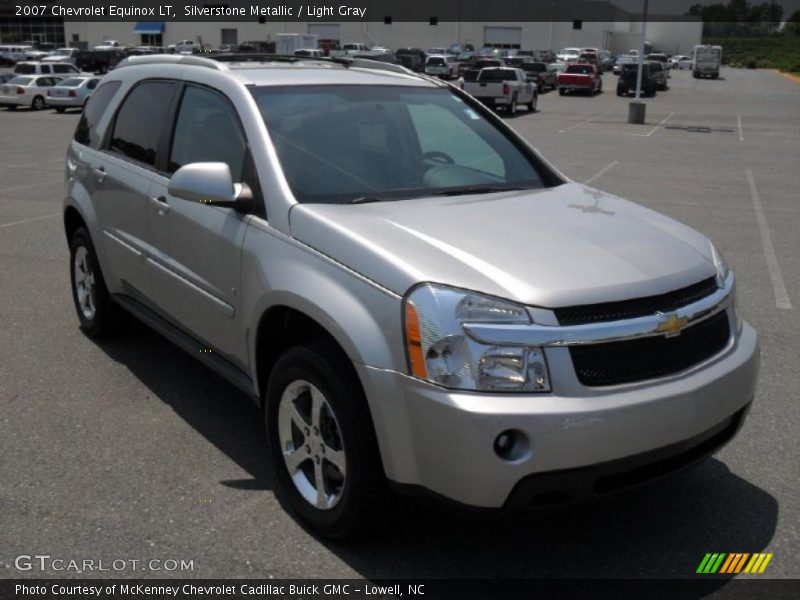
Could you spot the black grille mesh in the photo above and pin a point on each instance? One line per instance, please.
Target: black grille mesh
(647, 358)
(637, 307)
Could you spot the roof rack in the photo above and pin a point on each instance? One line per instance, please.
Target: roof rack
(180, 59)
(215, 61)
(360, 62)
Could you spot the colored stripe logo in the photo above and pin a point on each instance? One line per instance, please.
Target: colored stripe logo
(733, 563)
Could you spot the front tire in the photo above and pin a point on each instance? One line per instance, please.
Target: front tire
(60, 109)
(99, 315)
(38, 103)
(322, 442)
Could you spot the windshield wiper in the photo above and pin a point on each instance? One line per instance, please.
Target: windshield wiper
(479, 189)
(362, 200)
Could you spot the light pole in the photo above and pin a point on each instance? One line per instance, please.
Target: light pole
(550, 36)
(636, 109)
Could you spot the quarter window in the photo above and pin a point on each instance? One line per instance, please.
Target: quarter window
(207, 130)
(141, 120)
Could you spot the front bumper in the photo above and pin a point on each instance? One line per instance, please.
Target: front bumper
(442, 440)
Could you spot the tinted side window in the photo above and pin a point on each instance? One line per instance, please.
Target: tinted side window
(140, 121)
(86, 133)
(207, 130)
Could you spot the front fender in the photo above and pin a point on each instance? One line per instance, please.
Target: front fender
(364, 318)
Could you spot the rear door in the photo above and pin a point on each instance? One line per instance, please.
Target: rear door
(122, 174)
(196, 253)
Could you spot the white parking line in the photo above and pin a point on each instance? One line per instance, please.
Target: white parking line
(741, 132)
(23, 221)
(601, 172)
(781, 295)
(660, 123)
(589, 120)
(29, 185)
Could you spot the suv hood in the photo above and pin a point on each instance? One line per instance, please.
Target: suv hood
(560, 246)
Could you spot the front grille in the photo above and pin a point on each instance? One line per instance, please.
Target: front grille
(637, 307)
(613, 363)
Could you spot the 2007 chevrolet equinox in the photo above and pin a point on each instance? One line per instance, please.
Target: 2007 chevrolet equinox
(417, 299)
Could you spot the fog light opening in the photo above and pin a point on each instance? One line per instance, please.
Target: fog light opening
(512, 445)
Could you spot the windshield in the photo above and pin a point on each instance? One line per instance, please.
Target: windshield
(348, 142)
(62, 52)
(582, 69)
(436, 60)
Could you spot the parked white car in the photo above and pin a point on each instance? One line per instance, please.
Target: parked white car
(568, 54)
(503, 87)
(109, 45)
(27, 91)
(442, 65)
(681, 61)
(71, 93)
(11, 54)
(183, 46)
(42, 68)
(63, 55)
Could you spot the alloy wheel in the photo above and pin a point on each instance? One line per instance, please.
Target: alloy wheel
(84, 283)
(311, 444)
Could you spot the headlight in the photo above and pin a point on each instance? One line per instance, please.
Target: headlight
(723, 270)
(439, 350)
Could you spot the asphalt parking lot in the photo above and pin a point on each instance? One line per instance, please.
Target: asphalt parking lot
(132, 450)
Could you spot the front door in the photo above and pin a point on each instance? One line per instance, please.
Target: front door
(197, 248)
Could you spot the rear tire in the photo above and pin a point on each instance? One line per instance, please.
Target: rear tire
(512, 107)
(11, 107)
(353, 497)
(99, 315)
(532, 104)
(60, 109)
(38, 103)
(561, 91)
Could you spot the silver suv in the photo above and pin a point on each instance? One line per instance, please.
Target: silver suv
(415, 297)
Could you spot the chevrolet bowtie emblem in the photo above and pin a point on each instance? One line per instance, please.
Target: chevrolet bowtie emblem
(672, 325)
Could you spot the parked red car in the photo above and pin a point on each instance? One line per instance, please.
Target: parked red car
(580, 77)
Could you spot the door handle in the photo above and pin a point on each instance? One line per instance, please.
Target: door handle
(99, 174)
(160, 203)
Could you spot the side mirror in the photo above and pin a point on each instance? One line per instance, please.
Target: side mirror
(211, 183)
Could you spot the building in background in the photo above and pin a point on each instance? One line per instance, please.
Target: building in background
(14, 29)
(617, 36)
(611, 28)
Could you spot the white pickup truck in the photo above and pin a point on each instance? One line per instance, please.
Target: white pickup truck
(503, 86)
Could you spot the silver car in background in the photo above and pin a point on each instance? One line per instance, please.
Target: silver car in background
(414, 296)
(71, 93)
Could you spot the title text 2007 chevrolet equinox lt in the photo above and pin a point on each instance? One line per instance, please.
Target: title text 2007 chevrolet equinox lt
(418, 299)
